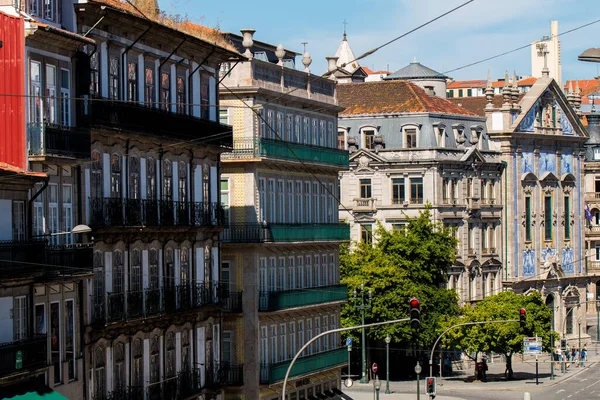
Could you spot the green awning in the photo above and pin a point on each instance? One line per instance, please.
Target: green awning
(31, 391)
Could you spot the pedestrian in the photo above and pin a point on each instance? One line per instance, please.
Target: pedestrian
(562, 361)
(567, 359)
(576, 358)
(583, 357)
(485, 368)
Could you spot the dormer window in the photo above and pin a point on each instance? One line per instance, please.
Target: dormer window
(476, 132)
(459, 134)
(368, 138)
(341, 142)
(440, 131)
(410, 138)
(596, 153)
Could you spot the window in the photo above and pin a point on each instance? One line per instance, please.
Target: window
(416, 190)
(264, 347)
(291, 279)
(308, 273)
(165, 91)
(322, 133)
(224, 116)
(596, 153)
(167, 180)
(155, 362)
(365, 188)
(528, 219)
(38, 212)
(132, 82)
(301, 335)
(484, 237)
(306, 136)
(94, 74)
(273, 344)
(225, 199)
(280, 134)
(97, 182)
(170, 359)
(182, 187)
(181, 99)
(53, 213)
(119, 367)
(65, 97)
(272, 201)
(410, 138)
(115, 175)
(289, 127)
(366, 234)
(309, 335)
(398, 194)
(368, 139)
(49, 9)
(100, 373)
(33, 7)
(292, 337)
(300, 272)
(138, 367)
(18, 220)
(262, 199)
(40, 319)
(315, 132)
(282, 343)
(548, 229)
(262, 279)
(317, 343)
(290, 202)
(113, 78)
(280, 201)
(134, 178)
(281, 284)
(272, 275)
(315, 204)
(567, 218)
(298, 202)
(153, 278)
(227, 347)
(35, 105)
(460, 93)
(471, 238)
(469, 92)
(50, 94)
(67, 212)
(98, 285)
(204, 97)
(55, 341)
(149, 87)
(135, 276)
(150, 179)
(20, 317)
(341, 140)
(298, 129)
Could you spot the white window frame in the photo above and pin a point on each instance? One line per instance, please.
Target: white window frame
(290, 202)
(407, 130)
(282, 342)
(65, 98)
(272, 274)
(364, 132)
(53, 216)
(67, 212)
(291, 269)
(300, 272)
(50, 94)
(298, 203)
(281, 201)
(273, 343)
(281, 275)
(264, 345)
(271, 204)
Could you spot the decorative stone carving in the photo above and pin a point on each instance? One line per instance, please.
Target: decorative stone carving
(306, 60)
(280, 53)
(247, 41)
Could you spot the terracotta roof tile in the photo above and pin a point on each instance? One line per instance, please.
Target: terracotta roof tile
(392, 97)
(476, 105)
(7, 169)
(483, 83)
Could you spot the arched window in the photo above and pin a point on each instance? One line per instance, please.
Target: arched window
(138, 362)
(136, 272)
(169, 265)
(170, 361)
(167, 180)
(184, 265)
(153, 280)
(151, 179)
(117, 272)
(134, 178)
(97, 183)
(119, 368)
(185, 350)
(99, 373)
(155, 362)
(182, 181)
(115, 175)
(207, 264)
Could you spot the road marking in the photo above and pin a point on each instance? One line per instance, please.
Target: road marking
(561, 390)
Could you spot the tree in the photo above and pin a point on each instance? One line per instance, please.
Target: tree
(503, 338)
(401, 264)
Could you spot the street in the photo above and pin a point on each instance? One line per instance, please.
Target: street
(576, 384)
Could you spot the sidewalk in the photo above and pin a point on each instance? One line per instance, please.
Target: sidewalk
(524, 380)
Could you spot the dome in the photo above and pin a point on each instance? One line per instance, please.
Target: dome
(415, 70)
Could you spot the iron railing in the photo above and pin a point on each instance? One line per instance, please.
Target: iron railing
(153, 121)
(107, 212)
(128, 393)
(269, 232)
(233, 302)
(169, 298)
(56, 140)
(23, 355)
(275, 372)
(225, 374)
(275, 301)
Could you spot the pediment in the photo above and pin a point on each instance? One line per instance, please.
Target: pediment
(549, 177)
(545, 101)
(364, 219)
(528, 177)
(365, 158)
(568, 178)
(492, 262)
(473, 155)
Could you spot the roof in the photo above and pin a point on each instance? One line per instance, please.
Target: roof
(371, 72)
(415, 70)
(477, 83)
(11, 170)
(587, 87)
(147, 11)
(346, 56)
(384, 97)
(476, 105)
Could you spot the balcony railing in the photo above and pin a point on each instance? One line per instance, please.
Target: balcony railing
(272, 373)
(36, 259)
(225, 374)
(129, 393)
(23, 355)
(107, 212)
(261, 233)
(364, 204)
(169, 298)
(275, 301)
(233, 302)
(149, 120)
(284, 150)
(61, 141)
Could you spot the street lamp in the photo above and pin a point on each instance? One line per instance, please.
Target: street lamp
(362, 307)
(418, 371)
(579, 323)
(77, 229)
(377, 386)
(387, 364)
(590, 55)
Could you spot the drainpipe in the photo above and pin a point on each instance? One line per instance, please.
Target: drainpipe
(79, 196)
(30, 209)
(82, 337)
(505, 164)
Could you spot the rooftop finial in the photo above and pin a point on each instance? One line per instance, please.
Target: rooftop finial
(489, 79)
(345, 23)
(415, 59)
(304, 44)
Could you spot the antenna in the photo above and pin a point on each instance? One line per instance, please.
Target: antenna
(345, 23)
(304, 44)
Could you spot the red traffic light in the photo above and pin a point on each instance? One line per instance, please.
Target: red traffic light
(522, 311)
(414, 303)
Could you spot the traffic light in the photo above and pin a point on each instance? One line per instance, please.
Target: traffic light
(523, 317)
(415, 313)
(431, 386)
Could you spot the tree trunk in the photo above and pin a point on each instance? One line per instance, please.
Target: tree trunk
(475, 365)
(509, 371)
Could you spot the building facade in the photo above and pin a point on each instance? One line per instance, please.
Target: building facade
(280, 245)
(409, 149)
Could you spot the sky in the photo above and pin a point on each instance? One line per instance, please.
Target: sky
(481, 29)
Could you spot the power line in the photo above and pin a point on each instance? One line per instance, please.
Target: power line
(528, 45)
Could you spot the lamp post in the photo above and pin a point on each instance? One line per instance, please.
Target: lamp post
(418, 371)
(376, 386)
(552, 353)
(363, 307)
(579, 323)
(387, 364)
(77, 229)
(597, 321)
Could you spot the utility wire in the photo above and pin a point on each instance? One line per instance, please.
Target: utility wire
(528, 45)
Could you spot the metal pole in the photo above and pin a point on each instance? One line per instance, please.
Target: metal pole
(387, 367)
(364, 378)
(537, 382)
(579, 323)
(598, 325)
(289, 369)
(454, 326)
(552, 354)
(418, 387)
(349, 351)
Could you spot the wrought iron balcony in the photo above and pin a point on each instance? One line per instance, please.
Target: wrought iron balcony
(152, 121)
(107, 212)
(271, 373)
(261, 233)
(59, 141)
(258, 147)
(233, 302)
(129, 393)
(225, 374)
(23, 355)
(169, 298)
(38, 260)
(275, 301)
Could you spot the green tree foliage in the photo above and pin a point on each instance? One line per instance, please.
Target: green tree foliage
(503, 338)
(400, 265)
